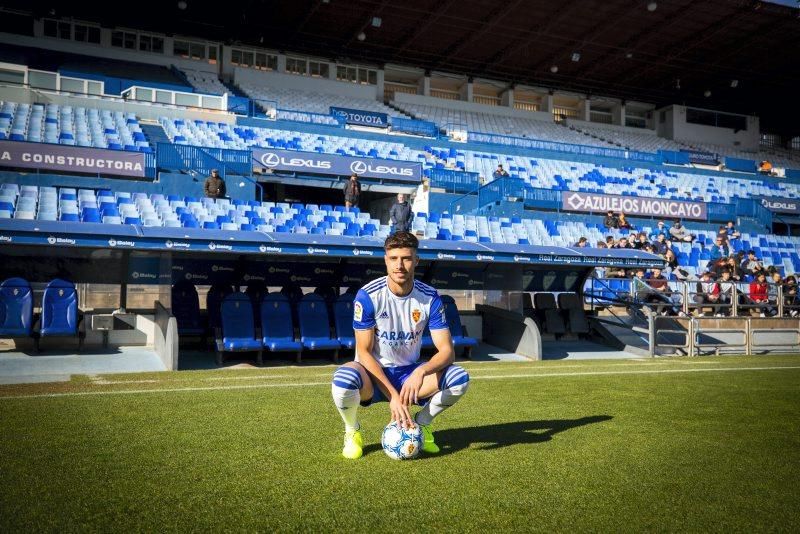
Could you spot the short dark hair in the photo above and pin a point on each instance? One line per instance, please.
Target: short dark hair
(401, 240)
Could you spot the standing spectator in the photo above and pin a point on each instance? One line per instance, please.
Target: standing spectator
(401, 215)
(214, 186)
(790, 296)
(679, 233)
(731, 230)
(622, 222)
(726, 289)
(352, 192)
(661, 228)
(772, 293)
(751, 265)
(611, 221)
(759, 293)
(707, 293)
(719, 249)
(499, 172)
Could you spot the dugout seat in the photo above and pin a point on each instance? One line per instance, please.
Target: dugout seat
(343, 317)
(456, 328)
(315, 331)
(256, 290)
(60, 315)
(216, 293)
(16, 308)
(237, 331)
(186, 309)
(548, 315)
(573, 313)
(276, 325)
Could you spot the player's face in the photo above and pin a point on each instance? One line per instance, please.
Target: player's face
(400, 263)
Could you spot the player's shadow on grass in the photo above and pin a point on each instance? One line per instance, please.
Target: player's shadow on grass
(492, 437)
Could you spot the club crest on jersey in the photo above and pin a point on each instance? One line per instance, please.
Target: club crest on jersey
(358, 311)
(415, 315)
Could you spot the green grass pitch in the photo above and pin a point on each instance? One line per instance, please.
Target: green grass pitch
(704, 444)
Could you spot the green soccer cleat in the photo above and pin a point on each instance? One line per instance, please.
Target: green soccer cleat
(428, 445)
(353, 445)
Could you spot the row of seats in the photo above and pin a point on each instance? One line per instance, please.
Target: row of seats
(59, 317)
(256, 320)
(567, 317)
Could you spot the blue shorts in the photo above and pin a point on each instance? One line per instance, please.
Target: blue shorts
(397, 377)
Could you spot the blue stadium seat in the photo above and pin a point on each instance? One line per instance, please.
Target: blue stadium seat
(454, 324)
(276, 325)
(343, 317)
(315, 330)
(60, 315)
(237, 331)
(16, 308)
(186, 309)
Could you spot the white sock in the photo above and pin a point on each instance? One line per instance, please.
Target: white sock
(454, 384)
(346, 396)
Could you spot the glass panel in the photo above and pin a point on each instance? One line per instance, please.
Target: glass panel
(72, 85)
(42, 80)
(157, 45)
(50, 28)
(144, 94)
(272, 62)
(212, 102)
(144, 43)
(64, 30)
(129, 41)
(12, 76)
(186, 99)
(164, 97)
(362, 75)
(181, 49)
(373, 77)
(197, 51)
(212, 53)
(236, 57)
(94, 35)
(116, 39)
(95, 88)
(247, 59)
(261, 61)
(81, 33)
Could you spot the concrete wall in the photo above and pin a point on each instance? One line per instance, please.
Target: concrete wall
(305, 83)
(471, 107)
(626, 129)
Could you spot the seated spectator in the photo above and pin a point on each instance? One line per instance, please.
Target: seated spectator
(649, 249)
(582, 242)
(719, 249)
(732, 232)
(641, 241)
(661, 228)
(707, 293)
(661, 245)
(615, 272)
(623, 243)
(679, 233)
(673, 267)
(765, 167)
(661, 294)
(751, 265)
(759, 294)
(499, 172)
(735, 268)
(611, 221)
(791, 301)
(622, 223)
(601, 244)
(610, 242)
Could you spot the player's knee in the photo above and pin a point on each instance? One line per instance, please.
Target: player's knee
(346, 377)
(455, 380)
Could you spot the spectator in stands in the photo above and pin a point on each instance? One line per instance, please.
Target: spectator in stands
(214, 186)
(499, 172)
(401, 215)
(622, 223)
(661, 228)
(641, 241)
(623, 243)
(719, 249)
(661, 293)
(649, 248)
(707, 293)
(611, 221)
(765, 167)
(673, 267)
(791, 302)
(679, 233)
(661, 245)
(610, 241)
(759, 294)
(726, 288)
(352, 192)
(735, 268)
(732, 232)
(582, 242)
(751, 265)
(601, 244)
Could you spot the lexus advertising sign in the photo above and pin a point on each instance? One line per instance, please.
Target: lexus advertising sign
(334, 164)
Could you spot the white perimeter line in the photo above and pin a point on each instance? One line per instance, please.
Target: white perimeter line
(309, 384)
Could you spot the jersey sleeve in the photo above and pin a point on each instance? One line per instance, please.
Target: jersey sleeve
(363, 311)
(436, 317)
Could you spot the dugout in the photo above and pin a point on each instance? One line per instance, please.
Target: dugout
(132, 268)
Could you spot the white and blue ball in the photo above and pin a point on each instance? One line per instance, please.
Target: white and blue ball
(401, 443)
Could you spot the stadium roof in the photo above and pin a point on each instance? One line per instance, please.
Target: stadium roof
(674, 53)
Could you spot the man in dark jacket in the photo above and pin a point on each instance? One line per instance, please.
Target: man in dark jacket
(215, 185)
(352, 191)
(400, 215)
(611, 220)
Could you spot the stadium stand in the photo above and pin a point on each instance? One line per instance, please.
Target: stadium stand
(205, 82)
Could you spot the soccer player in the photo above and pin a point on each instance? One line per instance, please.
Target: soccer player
(389, 317)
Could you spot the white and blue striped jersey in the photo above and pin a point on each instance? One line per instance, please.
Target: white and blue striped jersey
(398, 321)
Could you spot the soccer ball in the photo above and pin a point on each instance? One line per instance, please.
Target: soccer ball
(401, 443)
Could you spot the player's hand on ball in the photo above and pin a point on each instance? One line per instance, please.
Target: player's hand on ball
(400, 412)
(410, 391)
